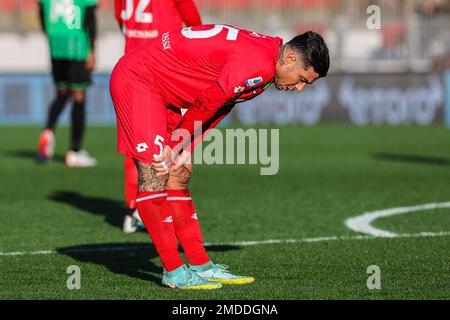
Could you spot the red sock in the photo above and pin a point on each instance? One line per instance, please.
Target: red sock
(186, 226)
(130, 182)
(152, 207)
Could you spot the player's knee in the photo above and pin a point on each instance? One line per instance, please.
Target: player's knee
(79, 96)
(63, 93)
(148, 178)
(179, 179)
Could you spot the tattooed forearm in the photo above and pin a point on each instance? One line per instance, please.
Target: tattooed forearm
(148, 180)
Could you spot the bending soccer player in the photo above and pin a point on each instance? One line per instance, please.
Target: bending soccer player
(71, 29)
(140, 24)
(206, 69)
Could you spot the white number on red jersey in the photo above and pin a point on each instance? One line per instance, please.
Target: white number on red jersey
(159, 142)
(140, 16)
(204, 34)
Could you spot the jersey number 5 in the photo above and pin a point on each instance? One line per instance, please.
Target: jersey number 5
(159, 142)
(204, 34)
(140, 16)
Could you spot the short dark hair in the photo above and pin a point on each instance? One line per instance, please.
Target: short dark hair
(314, 51)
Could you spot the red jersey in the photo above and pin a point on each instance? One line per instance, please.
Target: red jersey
(141, 20)
(204, 68)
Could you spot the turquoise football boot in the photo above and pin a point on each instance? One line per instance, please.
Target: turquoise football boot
(219, 273)
(184, 278)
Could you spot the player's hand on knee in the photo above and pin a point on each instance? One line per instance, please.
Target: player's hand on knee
(184, 170)
(184, 160)
(163, 163)
(179, 177)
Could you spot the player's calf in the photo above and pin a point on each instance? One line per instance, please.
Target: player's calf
(152, 207)
(185, 218)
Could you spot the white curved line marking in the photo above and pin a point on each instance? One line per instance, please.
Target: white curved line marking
(362, 223)
(224, 244)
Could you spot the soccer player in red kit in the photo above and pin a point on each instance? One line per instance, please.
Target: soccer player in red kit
(140, 21)
(206, 69)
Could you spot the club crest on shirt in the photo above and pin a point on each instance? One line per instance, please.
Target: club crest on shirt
(253, 82)
(238, 89)
(261, 88)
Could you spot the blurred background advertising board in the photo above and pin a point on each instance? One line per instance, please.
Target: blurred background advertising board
(389, 60)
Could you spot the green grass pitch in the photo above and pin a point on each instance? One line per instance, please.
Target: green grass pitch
(327, 174)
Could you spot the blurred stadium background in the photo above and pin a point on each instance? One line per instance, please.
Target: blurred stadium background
(403, 87)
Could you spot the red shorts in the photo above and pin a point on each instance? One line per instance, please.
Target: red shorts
(144, 122)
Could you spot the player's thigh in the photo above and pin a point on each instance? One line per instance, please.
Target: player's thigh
(60, 73)
(79, 77)
(141, 119)
(149, 129)
(149, 121)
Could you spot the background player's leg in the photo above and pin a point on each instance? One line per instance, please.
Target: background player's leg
(47, 137)
(76, 156)
(56, 107)
(60, 77)
(181, 206)
(79, 78)
(78, 119)
(130, 182)
(132, 221)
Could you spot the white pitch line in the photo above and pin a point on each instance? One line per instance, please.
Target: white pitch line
(225, 244)
(362, 223)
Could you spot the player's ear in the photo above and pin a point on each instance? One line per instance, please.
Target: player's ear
(290, 58)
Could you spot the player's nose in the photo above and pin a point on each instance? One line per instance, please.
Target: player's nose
(299, 87)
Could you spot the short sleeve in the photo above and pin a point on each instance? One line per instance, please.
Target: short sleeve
(241, 75)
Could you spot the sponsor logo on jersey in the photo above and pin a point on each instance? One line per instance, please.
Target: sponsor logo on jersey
(169, 219)
(238, 89)
(141, 147)
(142, 34)
(253, 82)
(165, 40)
(262, 88)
